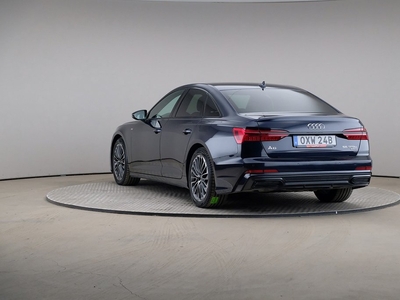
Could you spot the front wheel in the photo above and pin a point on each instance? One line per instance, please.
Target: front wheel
(335, 195)
(120, 167)
(201, 181)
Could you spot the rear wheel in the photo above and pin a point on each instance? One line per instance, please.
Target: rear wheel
(120, 167)
(201, 181)
(335, 195)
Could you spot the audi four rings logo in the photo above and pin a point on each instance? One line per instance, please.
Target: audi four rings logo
(316, 126)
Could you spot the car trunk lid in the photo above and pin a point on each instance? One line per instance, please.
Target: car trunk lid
(311, 136)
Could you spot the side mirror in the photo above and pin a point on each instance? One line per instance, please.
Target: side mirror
(140, 115)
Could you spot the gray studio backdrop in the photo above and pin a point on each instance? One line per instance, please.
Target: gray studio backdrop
(72, 71)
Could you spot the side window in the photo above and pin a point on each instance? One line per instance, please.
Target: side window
(192, 105)
(164, 108)
(211, 109)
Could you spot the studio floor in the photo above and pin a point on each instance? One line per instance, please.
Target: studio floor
(49, 251)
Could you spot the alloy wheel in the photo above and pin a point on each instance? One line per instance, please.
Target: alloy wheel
(199, 181)
(119, 161)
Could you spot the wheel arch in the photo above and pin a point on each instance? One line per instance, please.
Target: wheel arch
(189, 155)
(114, 140)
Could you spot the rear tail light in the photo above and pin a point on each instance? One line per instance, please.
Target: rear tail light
(258, 135)
(356, 134)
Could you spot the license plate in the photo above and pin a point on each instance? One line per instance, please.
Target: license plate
(314, 141)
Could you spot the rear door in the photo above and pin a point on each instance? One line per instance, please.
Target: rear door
(179, 130)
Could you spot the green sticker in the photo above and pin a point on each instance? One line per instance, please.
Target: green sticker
(214, 200)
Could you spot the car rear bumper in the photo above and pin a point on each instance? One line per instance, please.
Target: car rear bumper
(238, 175)
(305, 181)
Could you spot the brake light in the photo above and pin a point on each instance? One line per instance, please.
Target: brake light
(356, 134)
(258, 135)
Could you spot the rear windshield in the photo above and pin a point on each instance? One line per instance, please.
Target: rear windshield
(276, 100)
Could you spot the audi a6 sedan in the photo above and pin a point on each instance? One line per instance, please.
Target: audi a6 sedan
(219, 139)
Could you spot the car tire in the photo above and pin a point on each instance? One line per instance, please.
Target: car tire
(334, 195)
(201, 181)
(120, 167)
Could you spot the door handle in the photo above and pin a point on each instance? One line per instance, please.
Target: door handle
(157, 130)
(187, 131)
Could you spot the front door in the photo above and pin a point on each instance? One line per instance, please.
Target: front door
(146, 136)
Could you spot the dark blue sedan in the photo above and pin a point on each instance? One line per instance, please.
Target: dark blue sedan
(218, 139)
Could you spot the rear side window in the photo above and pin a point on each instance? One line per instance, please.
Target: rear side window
(192, 105)
(197, 104)
(211, 109)
(275, 100)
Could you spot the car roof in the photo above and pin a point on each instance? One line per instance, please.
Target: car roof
(244, 85)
